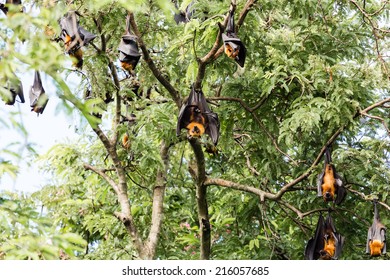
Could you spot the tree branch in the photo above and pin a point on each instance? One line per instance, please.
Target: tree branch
(158, 200)
(201, 197)
(156, 72)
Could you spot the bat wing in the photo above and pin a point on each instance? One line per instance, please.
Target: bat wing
(339, 245)
(369, 238)
(383, 238)
(320, 181)
(341, 191)
(86, 36)
(19, 92)
(129, 46)
(69, 25)
(184, 118)
(316, 243)
(212, 128)
(36, 89)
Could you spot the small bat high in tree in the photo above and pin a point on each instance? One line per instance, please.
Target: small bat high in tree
(233, 46)
(184, 16)
(15, 88)
(74, 37)
(326, 244)
(38, 98)
(329, 184)
(128, 50)
(4, 7)
(196, 116)
(376, 237)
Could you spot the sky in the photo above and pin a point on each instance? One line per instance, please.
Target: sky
(52, 127)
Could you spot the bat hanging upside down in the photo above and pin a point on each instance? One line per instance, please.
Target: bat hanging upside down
(196, 116)
(376, 237)
(233, 46)
(326, 243)
(329, 184)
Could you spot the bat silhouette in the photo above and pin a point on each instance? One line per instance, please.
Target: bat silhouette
(74, 37)
(128, 50)
(196, 116)
(15, 88)
(376, 237)
(233, 46)
(184, 16)
(38, 98)
(329, 183)
(326, 244)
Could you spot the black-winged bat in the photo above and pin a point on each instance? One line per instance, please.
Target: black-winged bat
(196, 116)
(38, 97)
(128, 50)
(184, 16)
(326, 244)
(16, 89)
(4, 7)
(329, 183)
(233, 46)
(74, 37)
(376, 237)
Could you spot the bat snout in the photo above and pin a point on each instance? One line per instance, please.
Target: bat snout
(328, 196)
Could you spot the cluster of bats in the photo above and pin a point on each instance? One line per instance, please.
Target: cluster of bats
(197, 118)
(327, 243)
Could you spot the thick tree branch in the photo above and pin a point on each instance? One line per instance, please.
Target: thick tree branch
(102, 173)
(156, 72)
(158, 200)
(201, 197)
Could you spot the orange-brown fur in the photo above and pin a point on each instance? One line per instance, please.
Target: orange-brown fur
(195, 129)
(376, 247)
(230, 52)
(125, 141)
(329, 183)
(127, 66)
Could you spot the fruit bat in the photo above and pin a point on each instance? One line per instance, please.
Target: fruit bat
(74, 37)
(4, 7)
(128, 49)
(38, 97)
(184, 16)
(233, 46)
(16, 89)
(376, 237)
(329, 183)
(326, 244)
(196, 116)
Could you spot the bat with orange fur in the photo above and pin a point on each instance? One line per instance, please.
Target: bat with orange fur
(233, 46)
(376, 237)
(327, 243)
(5, 7)
(74, 37)
(329, 183)
(128, 50)
(196, 116)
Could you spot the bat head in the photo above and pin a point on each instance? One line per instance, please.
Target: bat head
(195, 130)
(376, 247)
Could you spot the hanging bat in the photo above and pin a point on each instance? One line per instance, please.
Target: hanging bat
(184, 16)
(196, 116)
(38, 97)
(329, 183)
(326, 244)
(376, 237)
(74, 37)
(128, 50)
(16, 89)
(233, 46)
(4, 7)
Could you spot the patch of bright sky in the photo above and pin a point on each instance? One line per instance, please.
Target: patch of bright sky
(52, 127)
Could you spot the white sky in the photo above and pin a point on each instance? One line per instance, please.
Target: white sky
(45, 130)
